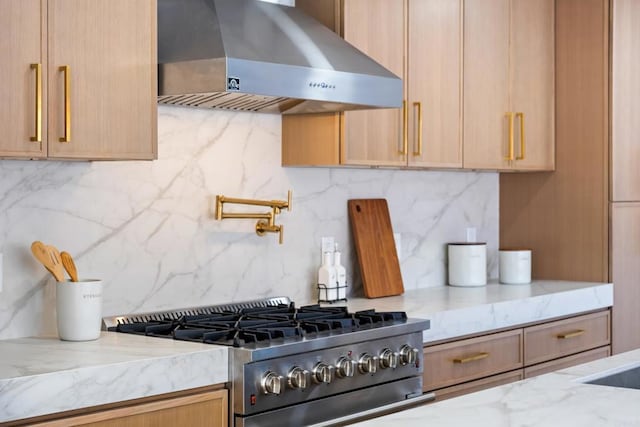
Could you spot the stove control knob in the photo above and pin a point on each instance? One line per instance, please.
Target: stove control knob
(272, 383)
(389, 359)
(368, 364)
(345, 367)
(298, 378)
(408, 355)
(323, 373)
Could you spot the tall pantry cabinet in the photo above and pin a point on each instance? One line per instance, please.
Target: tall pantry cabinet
(625, 173)
(583, 221)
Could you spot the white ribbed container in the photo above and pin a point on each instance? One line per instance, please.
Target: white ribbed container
(467, 264)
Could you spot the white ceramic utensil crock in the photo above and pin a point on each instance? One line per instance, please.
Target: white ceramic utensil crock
(79, 309)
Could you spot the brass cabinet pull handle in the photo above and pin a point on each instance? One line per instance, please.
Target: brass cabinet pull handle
(472, 358)
(510, 156)
(38, 117)
(67, 103)
(419, 105)
(405, 128)
(522, 143)
(571, 334)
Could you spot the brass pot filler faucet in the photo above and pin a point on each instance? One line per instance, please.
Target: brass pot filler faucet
(266, 221)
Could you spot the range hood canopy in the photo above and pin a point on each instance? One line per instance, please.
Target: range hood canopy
(258, 56)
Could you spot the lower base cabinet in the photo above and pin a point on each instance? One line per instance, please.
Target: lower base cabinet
(496, 358)
(202, 409)
(482, 384)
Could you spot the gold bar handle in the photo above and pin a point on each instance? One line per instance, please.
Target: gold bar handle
(571, 334)
(405, 128)
(510, 156)
(419, 152)
(522, 143)
(472, 358)
(38, 116)
(67, 103)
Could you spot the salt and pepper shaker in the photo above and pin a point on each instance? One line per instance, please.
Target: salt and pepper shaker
(332, 277)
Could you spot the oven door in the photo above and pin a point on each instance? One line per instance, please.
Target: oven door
(343, 409)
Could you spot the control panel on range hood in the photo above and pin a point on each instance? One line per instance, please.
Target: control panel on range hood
(260, 56)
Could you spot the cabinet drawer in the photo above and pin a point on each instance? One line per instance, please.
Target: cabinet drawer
(470, 359)
(477, 385)
(565, 362)
(564, 337)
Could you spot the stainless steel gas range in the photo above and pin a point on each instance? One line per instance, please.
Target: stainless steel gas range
(298, 366)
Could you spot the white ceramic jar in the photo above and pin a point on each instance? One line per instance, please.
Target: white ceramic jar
(515, 266)
(467, 264)
(79, 310)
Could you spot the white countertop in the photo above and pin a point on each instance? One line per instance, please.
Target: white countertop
(551, 400)
(45, 375)
(456, 312)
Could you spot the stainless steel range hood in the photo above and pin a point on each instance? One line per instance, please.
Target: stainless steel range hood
(258, 56)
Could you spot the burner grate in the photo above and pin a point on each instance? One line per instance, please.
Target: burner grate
(255, 324)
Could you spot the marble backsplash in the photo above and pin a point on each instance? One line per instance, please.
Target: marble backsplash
(147, 228)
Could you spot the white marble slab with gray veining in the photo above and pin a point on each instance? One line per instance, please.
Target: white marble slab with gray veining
(148, 229)
(559, 399)
(455, 312)
(45, 375)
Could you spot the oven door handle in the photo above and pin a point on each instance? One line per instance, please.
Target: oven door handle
(379, 411)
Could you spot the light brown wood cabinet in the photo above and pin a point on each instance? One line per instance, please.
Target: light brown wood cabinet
(564, 337)
(567, 362)
(419, 41)
(625, 275)
(509, 91)
(202, 409)
(582, 221)
(472, 364)
(625, 106)
(80, 79)
(470, 359)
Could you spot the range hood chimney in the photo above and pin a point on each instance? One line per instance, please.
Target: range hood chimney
(260, 56)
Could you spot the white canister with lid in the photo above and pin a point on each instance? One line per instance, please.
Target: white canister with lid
(467, 264)
(515, 266)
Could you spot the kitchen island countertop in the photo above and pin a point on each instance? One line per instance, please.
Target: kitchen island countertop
(556, 399)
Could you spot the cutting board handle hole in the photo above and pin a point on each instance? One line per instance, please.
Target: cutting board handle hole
(358, 208)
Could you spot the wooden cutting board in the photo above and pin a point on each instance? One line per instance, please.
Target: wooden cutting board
(376, 249)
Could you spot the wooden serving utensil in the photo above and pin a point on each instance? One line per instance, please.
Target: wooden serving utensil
(56, 260)
(42, 253)
(69, 265)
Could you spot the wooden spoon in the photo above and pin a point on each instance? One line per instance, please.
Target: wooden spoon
(56, 260)
(69, 265)
(41, 252)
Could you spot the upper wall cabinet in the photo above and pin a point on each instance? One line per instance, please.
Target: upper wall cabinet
(509, 91)
(419, 40)
(22, 54)
(79, 79)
